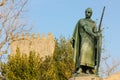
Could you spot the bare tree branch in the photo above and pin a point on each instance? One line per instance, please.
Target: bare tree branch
(2, 3)
(109, 66)
(11, 21)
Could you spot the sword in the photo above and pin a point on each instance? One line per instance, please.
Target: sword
(99, 43)
(99, 29)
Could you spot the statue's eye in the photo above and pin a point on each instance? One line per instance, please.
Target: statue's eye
(88, 12)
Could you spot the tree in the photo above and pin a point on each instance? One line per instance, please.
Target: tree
(2, 2)
(32, 67)
(22, 67)
(11, 21)
(108, 66)
(62, 63)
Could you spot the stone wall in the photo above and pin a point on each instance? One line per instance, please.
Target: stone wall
(44, 45)
(88, 77)
(115, 76)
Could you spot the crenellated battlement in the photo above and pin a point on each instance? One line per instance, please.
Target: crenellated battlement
(42, 44)
(30, 36)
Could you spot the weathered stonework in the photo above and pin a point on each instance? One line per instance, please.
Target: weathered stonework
(89, 77)
(44, 45)
(115, 76)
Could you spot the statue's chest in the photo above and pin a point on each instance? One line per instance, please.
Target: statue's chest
(90, 24)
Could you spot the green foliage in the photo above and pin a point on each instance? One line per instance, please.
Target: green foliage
(32, 67)
(22, 67)
(63, 56)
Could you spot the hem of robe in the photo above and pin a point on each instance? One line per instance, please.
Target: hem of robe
(86, 64)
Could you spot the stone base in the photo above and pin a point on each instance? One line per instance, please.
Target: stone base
(115, 76)
(89, 77)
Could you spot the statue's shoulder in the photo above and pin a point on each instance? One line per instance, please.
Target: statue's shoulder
(93, 21)
(81, 21)
(90, 20)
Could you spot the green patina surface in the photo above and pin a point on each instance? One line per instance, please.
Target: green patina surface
(85, 38)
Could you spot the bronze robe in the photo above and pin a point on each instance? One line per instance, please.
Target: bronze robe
(84, 43)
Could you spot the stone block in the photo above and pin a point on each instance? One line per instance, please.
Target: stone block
(89, 77)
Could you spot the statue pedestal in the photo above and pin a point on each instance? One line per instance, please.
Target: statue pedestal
(89, 77)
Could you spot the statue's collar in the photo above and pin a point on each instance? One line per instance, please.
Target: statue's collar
(88, 19)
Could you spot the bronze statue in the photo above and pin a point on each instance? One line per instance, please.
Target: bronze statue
(86, 42)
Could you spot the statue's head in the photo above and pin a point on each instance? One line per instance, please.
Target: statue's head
(88, 13)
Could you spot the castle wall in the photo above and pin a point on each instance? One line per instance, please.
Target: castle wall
(43, 45)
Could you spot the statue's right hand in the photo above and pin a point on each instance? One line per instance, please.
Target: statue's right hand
(99, 34)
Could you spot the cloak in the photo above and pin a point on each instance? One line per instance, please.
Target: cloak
(86, 47)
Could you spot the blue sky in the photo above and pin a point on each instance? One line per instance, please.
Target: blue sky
(61, 16)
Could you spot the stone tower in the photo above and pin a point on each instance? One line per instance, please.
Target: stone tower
(43, 45)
